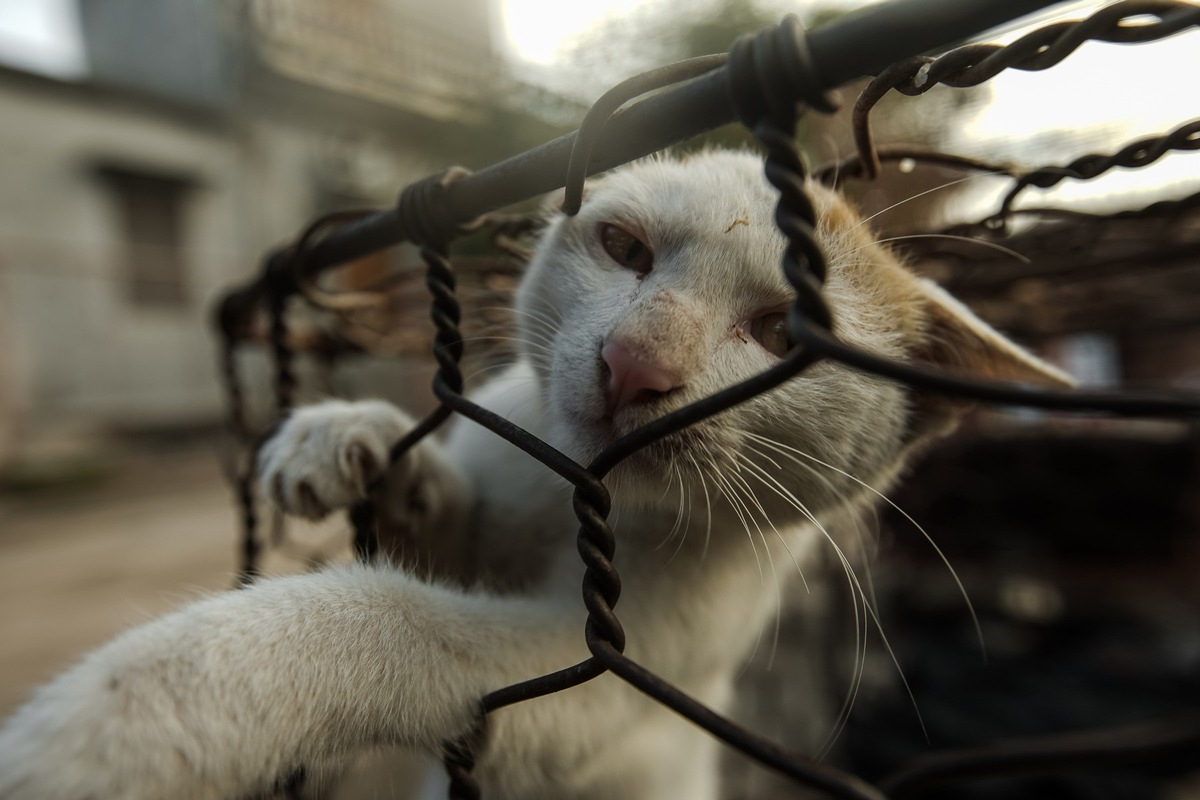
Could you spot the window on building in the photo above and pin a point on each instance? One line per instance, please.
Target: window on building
(150, 209)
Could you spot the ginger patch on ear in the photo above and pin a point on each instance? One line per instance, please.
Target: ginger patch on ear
(962, 343)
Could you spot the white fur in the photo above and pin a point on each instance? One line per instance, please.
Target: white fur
(224, 697)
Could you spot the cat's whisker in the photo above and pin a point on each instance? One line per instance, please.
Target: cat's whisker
(752, 442)
(543, 324)
(766, 478)
(899, 670)
(544, 348)
(874, 615)
(870, 606)
(727, 491)
(491, 368)
(738, 505)
(938, 188)
(1008, 251)
(856, 592)
(707, 508)
(539, 317)
(748, 502)
(513, 309)
(792, 452)
(854, 583)
(666, 489)
(858, 671)
(685, 499)
(676, 475)
(513, 385)
(770, 557)
(537, 332)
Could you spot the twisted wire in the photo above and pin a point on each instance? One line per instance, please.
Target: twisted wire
(598, 115)
(769, 74)
(993, 228)
(1111, 746)
(596, 544)
(282, 354)
(423, 212)
(231, 325)
(973, 64)
(366, 539)
(853, 166)
(243, 483)
(803, 264)
(446, 313)
(1137, 154)
(458, 757)
(766, 105)
(338, 302)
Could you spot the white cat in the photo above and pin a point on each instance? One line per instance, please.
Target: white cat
(665, 288)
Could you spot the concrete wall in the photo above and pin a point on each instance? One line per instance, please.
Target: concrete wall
(79, 354)
(79, 359)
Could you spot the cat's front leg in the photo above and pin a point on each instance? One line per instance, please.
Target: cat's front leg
(331, 455)
(232, 694)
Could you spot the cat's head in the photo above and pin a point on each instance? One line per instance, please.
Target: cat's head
(667, 287)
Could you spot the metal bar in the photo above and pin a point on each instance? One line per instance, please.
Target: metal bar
(856, 45)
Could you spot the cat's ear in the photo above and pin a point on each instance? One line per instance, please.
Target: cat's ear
(961, 343)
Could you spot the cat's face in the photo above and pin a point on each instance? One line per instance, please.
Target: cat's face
(667, 287)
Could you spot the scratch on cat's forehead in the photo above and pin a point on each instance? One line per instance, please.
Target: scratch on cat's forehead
(744, 219)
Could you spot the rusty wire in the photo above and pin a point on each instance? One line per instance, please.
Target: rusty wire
(1131, 156)
(763, 81)
(973, 64)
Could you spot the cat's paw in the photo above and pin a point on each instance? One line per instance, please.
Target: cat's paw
(325, 457)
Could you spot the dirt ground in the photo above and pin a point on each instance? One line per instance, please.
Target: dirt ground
(79, 566)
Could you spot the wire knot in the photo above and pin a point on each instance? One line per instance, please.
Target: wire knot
(424, 216)
(771, 71)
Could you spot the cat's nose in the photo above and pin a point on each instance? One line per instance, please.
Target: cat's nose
(632, 379)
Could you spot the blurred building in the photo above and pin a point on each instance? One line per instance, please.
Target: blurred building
(202, 133)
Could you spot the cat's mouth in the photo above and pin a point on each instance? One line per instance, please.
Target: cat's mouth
(616, 424)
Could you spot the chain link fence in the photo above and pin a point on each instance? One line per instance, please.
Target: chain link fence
(764, 82)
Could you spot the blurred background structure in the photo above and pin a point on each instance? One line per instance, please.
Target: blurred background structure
(153, 152)
(187, 138)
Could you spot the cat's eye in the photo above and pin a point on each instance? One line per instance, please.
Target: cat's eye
(626, 249)
(771, 331)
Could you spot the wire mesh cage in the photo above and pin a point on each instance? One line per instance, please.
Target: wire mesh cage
(765, 82)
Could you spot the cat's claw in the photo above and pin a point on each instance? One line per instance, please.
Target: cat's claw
(327, 456)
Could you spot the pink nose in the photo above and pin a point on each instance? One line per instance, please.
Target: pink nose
(631, 379)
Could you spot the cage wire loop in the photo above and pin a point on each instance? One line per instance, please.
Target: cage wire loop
(446, 314)
(1136, 154)
(424, 215)
(304, 282)
(972, 64)
(232, 322)
(604, 108)
(771, 71)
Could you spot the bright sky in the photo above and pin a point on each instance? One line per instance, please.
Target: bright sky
(1102, 96)
(538, 30)
(42, 36)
